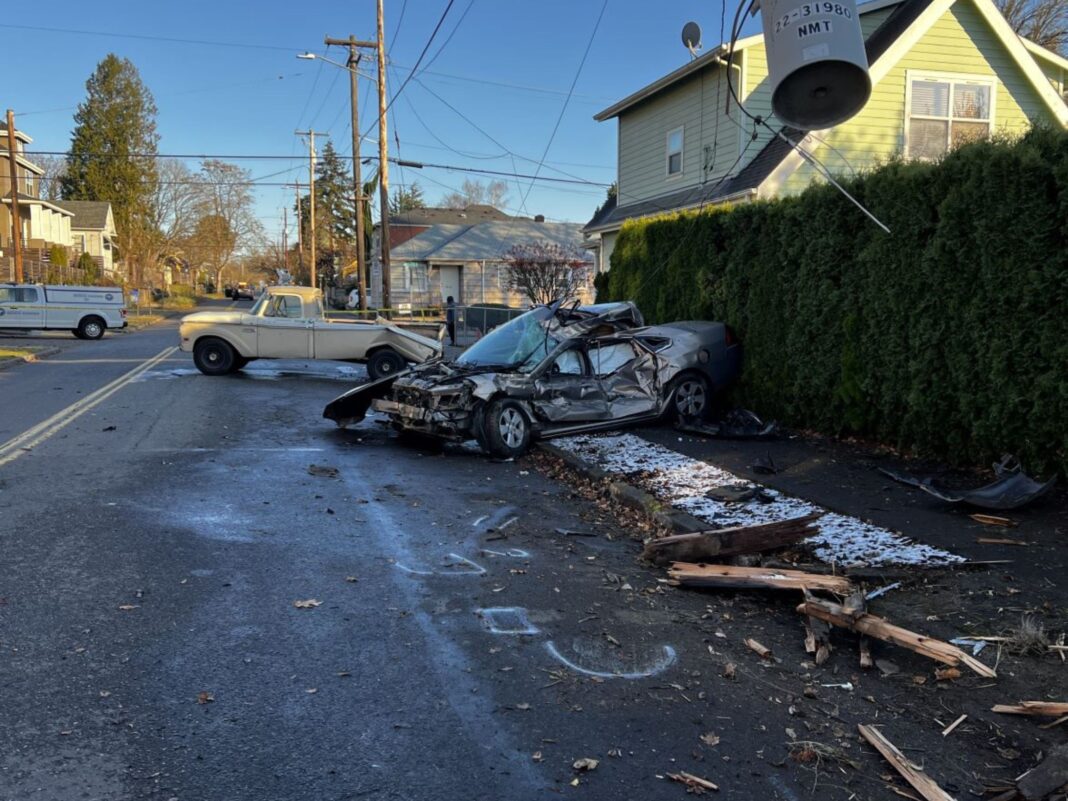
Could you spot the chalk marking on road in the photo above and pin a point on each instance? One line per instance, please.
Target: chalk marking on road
(228, 450)
(659, 666)
(507, 620)
(32, 437)
(515, 553)
(461, 566)
(480, 520)
(507, 523)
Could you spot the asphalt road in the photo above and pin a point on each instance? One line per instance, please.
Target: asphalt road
(158, 533)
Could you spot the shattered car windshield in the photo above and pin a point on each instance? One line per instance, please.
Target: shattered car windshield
(519, 343)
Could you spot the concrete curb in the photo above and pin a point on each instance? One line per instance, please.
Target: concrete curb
(675, 520)
(43, 353)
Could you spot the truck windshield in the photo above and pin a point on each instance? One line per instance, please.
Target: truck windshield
(521, 343)
(257, 307)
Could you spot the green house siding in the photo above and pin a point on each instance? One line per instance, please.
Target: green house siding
(697, 107)
(960, 42)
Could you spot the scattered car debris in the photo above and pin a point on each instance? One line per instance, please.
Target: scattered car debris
(205, 698)
(881, 629)
(739, 493)
(568, 532)
(1048, 708)
(736, 424)
(764, 465)
(1000, 541)
(920, 781)
(976, 645)
(310, 603)
(558, 369)
(585, 764)
(714, 544)
(693, 783)
(697, 575)
(1046, 777)
(1011, 489)
(323, 470)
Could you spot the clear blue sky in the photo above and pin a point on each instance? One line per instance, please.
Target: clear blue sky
(507, 67)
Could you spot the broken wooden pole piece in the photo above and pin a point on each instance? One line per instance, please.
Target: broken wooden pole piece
(920, 781)
(760, 650)
(1049, 708)
(692, 781)
(881, 629)
(865, 653)
(698, 575)
(701, 546)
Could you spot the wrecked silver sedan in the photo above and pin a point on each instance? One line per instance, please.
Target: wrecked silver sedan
(555, 370)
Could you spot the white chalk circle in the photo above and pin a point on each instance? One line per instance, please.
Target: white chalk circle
(614, 664)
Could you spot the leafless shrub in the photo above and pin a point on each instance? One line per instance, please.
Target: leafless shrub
(1029, 637)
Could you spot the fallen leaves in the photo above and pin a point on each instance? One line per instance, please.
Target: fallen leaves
(205, 698)
(128, 607)
(310, 603)
(710, 739)
(729, 670)
(694, 784)
(323, 471)
(947, 674)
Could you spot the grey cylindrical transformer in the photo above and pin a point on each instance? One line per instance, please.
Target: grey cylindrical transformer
(816, 61)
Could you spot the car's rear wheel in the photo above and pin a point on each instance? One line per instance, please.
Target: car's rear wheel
(691, 397)
(384, 363)
(91, 328)
(214, 357)
(505, 429)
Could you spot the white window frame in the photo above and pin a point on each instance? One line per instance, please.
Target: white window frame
(681, 131)
(951, 78)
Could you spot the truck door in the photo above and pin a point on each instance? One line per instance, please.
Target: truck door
(21, 307)
(283, 331)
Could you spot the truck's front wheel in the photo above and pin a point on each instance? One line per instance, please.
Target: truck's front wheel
(91, 328)
(214, 357)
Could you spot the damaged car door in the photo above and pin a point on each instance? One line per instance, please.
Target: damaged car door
(565, 390)
(628, 377)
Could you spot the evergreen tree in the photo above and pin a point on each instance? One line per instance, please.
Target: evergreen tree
(407, 199)
(335, 219)
(111, 152)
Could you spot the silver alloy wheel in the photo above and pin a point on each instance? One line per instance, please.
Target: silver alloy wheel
(690, 398)
(93, 330)
(512, 427)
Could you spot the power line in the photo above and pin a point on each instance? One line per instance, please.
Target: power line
(567, 100)
(399, 162)
(445, 44)
(415, 69)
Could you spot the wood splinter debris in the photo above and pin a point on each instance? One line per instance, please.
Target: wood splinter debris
(949, 729)
(920, 781)
(1048, 708)
(700, 546)
(760, 650)
(880, 629)
(694, 782)
(698, 575)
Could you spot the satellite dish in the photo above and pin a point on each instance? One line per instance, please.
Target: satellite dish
(691, 36)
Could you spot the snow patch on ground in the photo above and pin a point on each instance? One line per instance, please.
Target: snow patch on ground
(685, 483)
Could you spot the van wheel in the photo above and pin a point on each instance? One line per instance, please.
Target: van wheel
(214, 357)
(384, 363)
(505, 429)
(91, 328)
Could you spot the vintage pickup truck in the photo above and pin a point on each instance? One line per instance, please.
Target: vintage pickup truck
(287, 322)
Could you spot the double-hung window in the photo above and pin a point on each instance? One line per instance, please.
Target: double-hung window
(674, 152)
(944, 111)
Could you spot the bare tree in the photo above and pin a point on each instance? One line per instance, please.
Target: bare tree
(1044, 22)
(174, 206)
(55, 167)
(225, 220)
(546, 271)
(476, 193)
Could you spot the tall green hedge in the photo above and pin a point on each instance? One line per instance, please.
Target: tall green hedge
(947, 337)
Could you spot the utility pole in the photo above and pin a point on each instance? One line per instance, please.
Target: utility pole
(16, 214)
(285, 241)
(311, 196)
(300, 229)
(357, 181)
(383, 163)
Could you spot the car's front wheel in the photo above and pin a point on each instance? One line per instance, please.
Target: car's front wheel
(505, 429)
(691, 398)
(214, 357)
(384, 363)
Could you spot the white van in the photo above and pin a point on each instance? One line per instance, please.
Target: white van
(85, 311)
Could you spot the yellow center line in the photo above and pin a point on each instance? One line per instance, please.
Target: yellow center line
(32, 437)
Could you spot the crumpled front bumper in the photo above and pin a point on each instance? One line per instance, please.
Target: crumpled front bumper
(430, 414)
